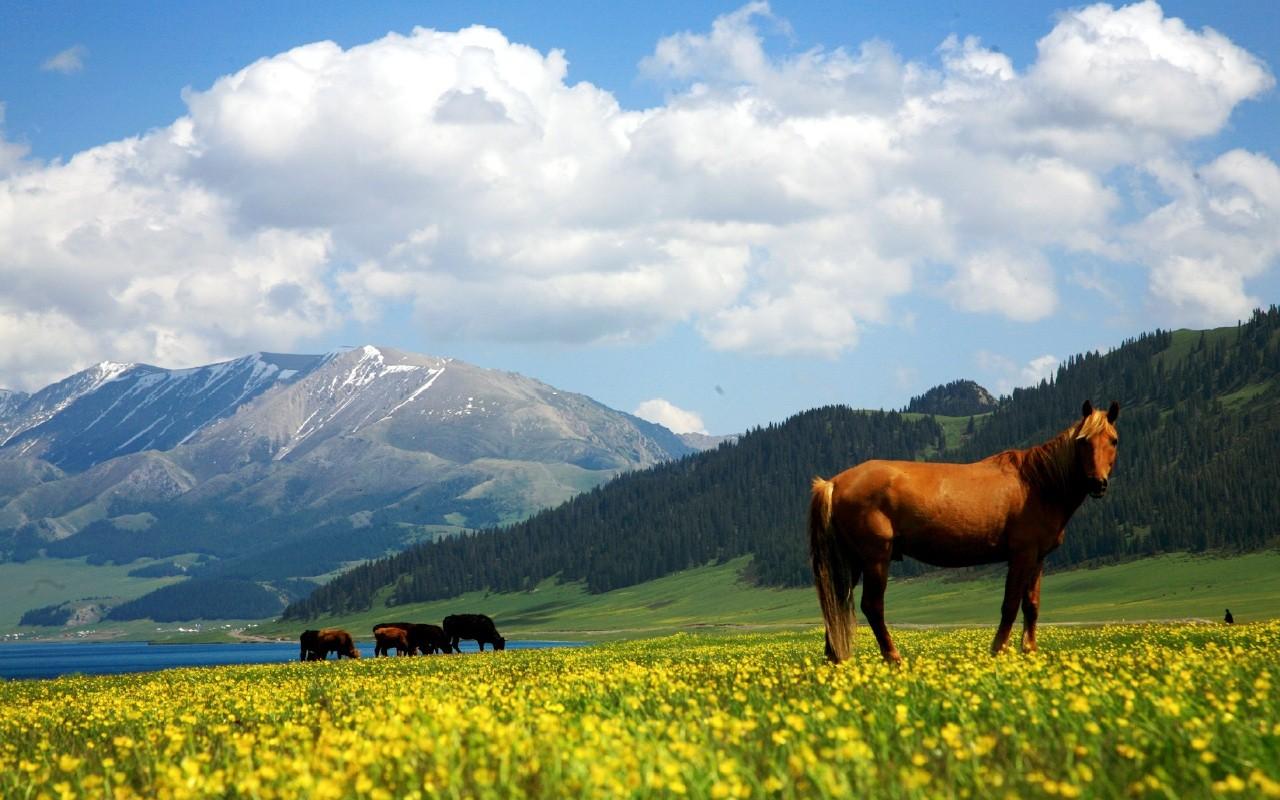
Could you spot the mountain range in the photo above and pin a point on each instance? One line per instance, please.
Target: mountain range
(1199, 431)
(340, 457)
(239, 479)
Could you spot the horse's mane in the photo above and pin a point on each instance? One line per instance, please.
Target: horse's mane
(1050, 466)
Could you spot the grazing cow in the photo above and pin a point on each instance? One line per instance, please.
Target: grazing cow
(317, 645)
(422, 638)
(472, 626)
(386, 637)
(430, 639)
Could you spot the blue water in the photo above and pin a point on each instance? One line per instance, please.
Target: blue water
(51, 659)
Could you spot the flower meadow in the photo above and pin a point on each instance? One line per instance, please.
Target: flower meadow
(1144, 711)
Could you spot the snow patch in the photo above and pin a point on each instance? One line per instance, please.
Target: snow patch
(435, 373)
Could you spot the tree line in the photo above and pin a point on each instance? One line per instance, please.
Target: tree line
(1199, 430)
(740, 498)
(202, 598)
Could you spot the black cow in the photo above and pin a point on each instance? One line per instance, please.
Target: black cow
(317, 645)
(420, 637)
(430, 639)
(472, 626)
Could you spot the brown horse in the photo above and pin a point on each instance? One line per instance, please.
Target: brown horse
(1012, 507)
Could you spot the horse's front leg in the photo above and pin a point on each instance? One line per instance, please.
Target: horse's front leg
(1014, 583)
(1031, 609)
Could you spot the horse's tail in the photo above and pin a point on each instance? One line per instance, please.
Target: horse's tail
(831, 574)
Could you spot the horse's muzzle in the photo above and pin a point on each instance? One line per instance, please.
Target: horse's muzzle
(1098, 487)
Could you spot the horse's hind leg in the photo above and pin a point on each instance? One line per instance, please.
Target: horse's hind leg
(875, 578)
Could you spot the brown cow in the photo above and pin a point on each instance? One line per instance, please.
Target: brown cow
(386, 637)
(317, 645)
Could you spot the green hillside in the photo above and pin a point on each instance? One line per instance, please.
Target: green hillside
(1199, 430)
(40, 582)
(739, 499)
(718, 597)
(1161, 588)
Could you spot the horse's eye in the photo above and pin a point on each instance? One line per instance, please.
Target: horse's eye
(1115, 440)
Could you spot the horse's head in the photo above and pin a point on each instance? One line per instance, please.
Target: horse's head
(1096, 442)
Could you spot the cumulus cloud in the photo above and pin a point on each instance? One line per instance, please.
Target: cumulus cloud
(670, 416)
(1221, 228)
(1040, 368)
(776, 204)
(68, 61)
(109, 254)
(1004, 375)
(1135, 68)
(1019, 286)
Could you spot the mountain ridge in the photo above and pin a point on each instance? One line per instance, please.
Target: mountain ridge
(959, 398)
(239, 459)
(1200, 424)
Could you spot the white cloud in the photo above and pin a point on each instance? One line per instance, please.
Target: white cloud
(1136, 68)
(731, 51)
(778, 205)
(1017, 285)
(1002, 374)
(671, 416)
(111, 254)
(1221, 229)
(39, 346)
(68, 61)
(1038, 369)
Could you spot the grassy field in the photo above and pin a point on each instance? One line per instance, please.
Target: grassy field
(953, 428)
(1186, 711)
(714, 597)
(1165, 588)
(44, 581)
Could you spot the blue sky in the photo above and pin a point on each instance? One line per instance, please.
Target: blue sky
(739, 211)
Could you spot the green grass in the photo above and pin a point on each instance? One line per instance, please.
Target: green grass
(1163, 588)
(716, 598)
(45, 581)
(1245, 395)
(1158, 711)
(953, 428)
(1186, 341)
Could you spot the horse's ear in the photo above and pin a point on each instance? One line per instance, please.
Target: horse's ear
(1113, 412)
(1088, 408)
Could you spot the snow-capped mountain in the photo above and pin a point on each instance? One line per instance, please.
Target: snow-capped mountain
(10, 402)
(113, 409)
(450, 409)
(237, 458)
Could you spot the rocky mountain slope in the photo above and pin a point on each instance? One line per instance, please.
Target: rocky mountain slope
(364, 448)
(1199, 431)
(960, 398)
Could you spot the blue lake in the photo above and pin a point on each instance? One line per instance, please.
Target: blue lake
(51, 659)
